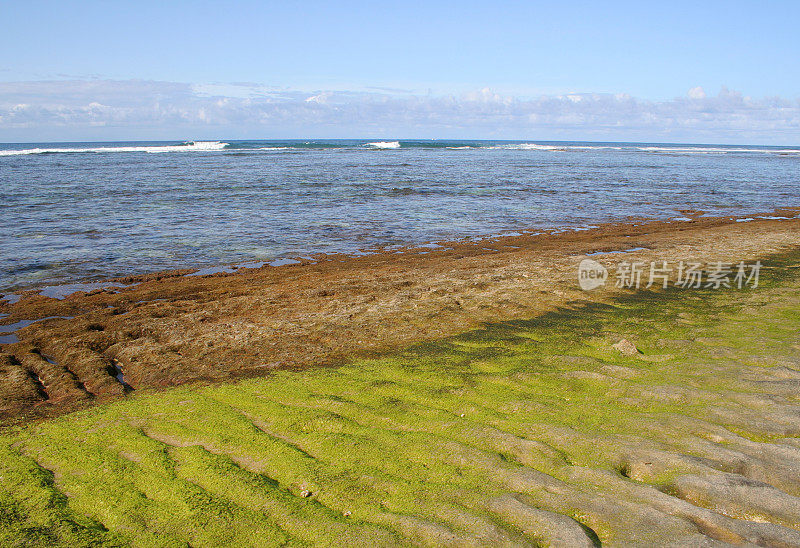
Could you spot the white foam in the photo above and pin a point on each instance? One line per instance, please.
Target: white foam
(561, 148)
(588, 147)
(201, 145)
(384, 144)
(651, 149)
(714, 150)
(527, 146)
(189, 146)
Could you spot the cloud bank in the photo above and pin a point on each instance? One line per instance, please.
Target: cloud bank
(134, 109)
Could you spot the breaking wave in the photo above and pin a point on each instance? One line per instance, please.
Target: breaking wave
(189, 146)
(384, 144)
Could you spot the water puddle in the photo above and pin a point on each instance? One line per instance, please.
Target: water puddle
(62, 291)
(230, 269)
(213, 270)
(12, 298)
(254, 265)
(119, 375)
(9, 331)
(283, 262)
(494, 236)
(147, 301)
(631, 250)
(431, 247)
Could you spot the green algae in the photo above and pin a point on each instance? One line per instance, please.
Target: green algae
(405, 448)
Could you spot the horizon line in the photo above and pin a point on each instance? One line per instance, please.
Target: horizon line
(399, 139)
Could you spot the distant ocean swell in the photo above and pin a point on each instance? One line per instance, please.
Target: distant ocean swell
(92, 211)
(254, 147)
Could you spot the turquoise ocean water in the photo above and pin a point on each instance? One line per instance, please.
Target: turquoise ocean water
(85, 211)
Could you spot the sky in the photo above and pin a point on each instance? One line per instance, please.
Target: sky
(646, 71)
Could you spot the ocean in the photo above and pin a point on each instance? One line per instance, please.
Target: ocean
(88, 211)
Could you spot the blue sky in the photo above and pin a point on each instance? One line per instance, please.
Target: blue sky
(78, 70)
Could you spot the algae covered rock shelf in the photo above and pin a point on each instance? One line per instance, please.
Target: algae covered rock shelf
(534, 432)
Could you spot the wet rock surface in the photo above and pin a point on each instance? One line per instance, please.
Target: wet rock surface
(167, 329)
(531, 432)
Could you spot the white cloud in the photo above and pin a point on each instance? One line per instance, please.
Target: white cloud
(321, 98)
(108, 109)
(697, 93)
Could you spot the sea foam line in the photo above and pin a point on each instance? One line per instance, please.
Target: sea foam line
(714, 150)
(535, 146)
(190, 146)
(650, 149)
